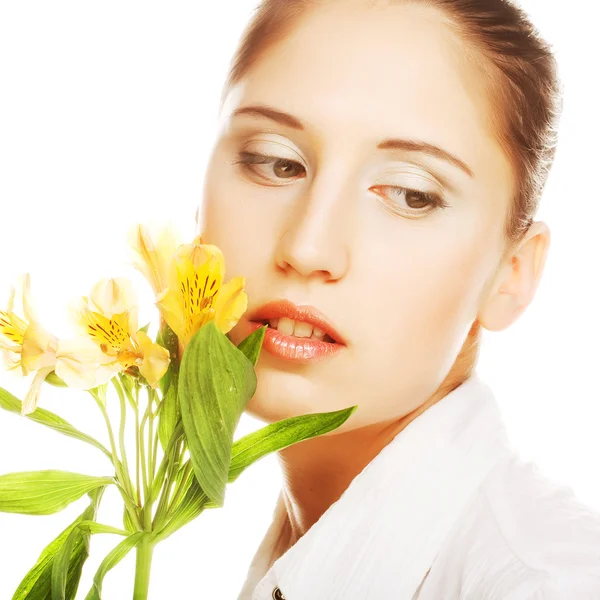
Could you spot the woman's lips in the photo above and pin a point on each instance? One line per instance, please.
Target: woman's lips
(283, 307)
(294, 349)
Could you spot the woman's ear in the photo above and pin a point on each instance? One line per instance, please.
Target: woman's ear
(516, 280)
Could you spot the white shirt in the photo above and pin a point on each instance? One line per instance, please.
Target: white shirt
(446, 511)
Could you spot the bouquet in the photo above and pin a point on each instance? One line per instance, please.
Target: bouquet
(185, 392)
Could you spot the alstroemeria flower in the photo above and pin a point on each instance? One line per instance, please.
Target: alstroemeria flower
(196, 293)
(27, 345)
(109, 316)
(153, 251)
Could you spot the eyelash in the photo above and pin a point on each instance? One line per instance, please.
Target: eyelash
(247, 159)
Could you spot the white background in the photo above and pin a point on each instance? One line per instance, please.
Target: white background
(107, 115)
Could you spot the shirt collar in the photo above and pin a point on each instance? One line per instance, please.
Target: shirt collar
(386, 528)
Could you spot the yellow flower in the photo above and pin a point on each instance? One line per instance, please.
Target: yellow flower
(26, 344)
(109, 317)
(153, 252)
(196, 294)
(12, 330)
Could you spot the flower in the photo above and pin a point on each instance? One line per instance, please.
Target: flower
(196, 294)
(109, 317)
(26, 344)
(153, 253)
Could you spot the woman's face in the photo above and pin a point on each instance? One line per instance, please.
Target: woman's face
(354, 229)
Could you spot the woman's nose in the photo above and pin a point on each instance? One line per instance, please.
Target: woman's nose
(315, 239)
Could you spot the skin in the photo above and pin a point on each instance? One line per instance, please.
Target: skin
(407, 287)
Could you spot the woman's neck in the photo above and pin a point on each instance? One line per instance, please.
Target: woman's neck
(317, 471)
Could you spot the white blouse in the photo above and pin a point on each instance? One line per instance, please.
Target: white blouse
(447, 510)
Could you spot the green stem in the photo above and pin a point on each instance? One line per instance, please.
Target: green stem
(142, 570)
(122, 424)
(138, 458)
(155, 454)
(145, 464)
(118, 466)
(113, 446)
(151, 464)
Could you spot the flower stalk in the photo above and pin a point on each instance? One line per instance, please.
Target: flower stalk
(143, 565)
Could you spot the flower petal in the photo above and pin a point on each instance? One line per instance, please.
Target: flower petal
(202, 253)
(31, 398)
(81, 364)
(11, 359)
(39, 349)
(113, 296)
(199, 286)
(12, 328)
(170, 304)
(231, 304)
(155, 360)
(112, 335)
(28, 310)
(153, 253)
(11, 299)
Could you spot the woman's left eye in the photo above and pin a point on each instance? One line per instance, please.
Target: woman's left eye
(414, 200)
(280, 168)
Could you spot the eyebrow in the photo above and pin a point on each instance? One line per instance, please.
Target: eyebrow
(409, 145)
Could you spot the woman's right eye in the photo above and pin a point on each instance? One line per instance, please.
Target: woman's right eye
(275, 168)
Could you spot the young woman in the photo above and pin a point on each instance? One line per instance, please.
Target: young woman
(375, 179)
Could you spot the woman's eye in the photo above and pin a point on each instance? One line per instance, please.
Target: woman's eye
(414, 200)
(272, 167)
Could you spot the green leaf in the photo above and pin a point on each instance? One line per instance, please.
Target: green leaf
(36, 585)
(63, 563)
(93, 527)
(281, 434)
(44, 492)
(112, 559)
(145, 327)
(169, 414)
(49, 419)
(127, 521)
(216, 381)
(249, 449)
(252, 344)
(171, 448)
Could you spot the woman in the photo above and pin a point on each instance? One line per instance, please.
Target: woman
(376, 175)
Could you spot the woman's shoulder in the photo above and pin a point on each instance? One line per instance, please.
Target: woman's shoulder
(543, 520)
(522, 536)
